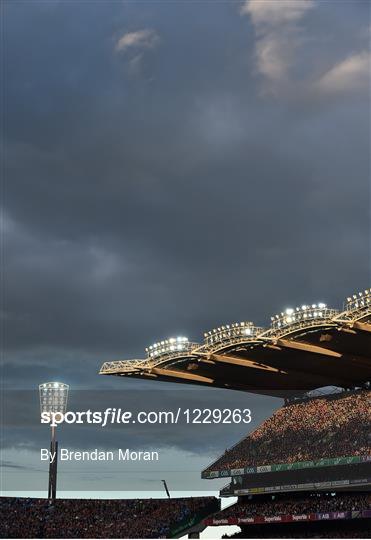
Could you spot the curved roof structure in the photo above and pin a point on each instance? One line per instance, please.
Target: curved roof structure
(303, 349)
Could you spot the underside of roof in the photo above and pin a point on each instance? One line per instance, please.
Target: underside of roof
(304, 349)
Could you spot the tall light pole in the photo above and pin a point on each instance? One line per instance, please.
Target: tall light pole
(53, 399)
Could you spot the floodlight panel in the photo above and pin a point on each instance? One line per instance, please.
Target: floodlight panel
(232, 333)
(359, 302)
(53, 397)
(169, 347)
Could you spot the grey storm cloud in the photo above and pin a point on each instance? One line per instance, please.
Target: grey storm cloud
(179, 195)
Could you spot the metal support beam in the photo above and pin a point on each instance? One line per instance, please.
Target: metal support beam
(346, 330)
(365, 327)
(360, 361)
(235, 360)
(261, 368)
(307, 347)
(189, 376)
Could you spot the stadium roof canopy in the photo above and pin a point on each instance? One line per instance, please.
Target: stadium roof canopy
(305, 348)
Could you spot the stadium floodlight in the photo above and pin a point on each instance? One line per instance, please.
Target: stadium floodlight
(306, 315)
(357, 306)
(53, 399)
(174, 346)
(359, 302)
(232, 333)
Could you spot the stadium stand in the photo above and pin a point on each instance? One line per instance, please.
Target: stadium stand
(286, 505)
(314, 515)
(104, 518)
(318, 529)
(353, 473)
(327, 427)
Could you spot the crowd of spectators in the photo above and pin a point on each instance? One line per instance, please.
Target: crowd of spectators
(328, 427)
(104, 518)
(316, 503)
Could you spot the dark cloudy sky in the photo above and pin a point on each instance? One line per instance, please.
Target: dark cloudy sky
(170, 166)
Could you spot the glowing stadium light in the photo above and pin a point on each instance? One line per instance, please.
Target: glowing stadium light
(169, 347)
(231, 333)
(306, 315)
(359, 302)
(53, 399)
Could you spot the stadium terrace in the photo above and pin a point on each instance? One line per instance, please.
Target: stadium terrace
(325, 431)
(102, 518)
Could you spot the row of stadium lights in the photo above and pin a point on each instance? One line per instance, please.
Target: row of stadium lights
(247, 329)
(361, 299)
(237, 330)
(230, 331)
(171, 345)
(315, 311)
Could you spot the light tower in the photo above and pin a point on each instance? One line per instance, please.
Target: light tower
(53, 399)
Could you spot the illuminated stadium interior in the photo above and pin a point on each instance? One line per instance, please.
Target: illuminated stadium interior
(311, 460)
